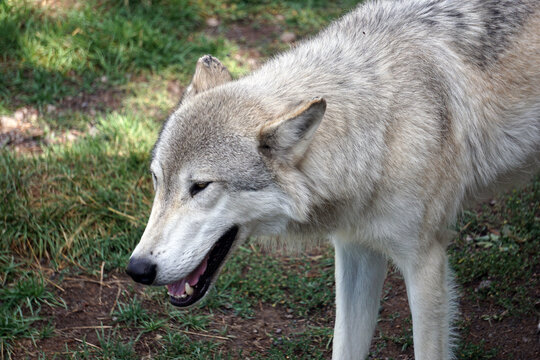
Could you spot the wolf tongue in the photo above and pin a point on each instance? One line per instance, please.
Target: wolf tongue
(179, 288)
(193, 278)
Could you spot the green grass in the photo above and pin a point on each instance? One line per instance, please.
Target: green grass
(22, 295)
(83, 203)
(48, 54)
(499, 245)
(51, 54)
(78, 204)
(309, 344)
(274, 285)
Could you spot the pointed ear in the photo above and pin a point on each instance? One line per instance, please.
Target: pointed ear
(289, 137)
(209, 73)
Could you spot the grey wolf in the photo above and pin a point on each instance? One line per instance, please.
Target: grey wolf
(373, 134)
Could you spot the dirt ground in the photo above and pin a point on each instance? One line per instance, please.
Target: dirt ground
(91, 304)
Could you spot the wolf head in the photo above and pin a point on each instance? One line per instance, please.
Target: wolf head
(219, 169)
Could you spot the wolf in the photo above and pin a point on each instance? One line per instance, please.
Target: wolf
(373, 134)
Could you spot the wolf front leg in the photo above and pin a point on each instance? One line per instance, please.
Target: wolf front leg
(430, 293)
(360, 274)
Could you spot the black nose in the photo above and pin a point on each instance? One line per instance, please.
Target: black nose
(141, 270)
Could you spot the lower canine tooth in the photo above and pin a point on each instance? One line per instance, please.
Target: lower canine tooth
(189, 289)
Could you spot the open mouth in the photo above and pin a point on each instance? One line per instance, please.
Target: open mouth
(193, 287)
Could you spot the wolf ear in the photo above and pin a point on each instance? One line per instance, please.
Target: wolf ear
(209, 73)
(289, 137)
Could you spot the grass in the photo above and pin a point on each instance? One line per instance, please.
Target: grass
(52, 54)
(499, 246)
(49, 53)
(83, 203)
(53, 205)
(22, 295)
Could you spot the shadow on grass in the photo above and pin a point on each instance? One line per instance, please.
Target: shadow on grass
(51, 52)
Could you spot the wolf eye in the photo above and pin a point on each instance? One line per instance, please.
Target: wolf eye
(198, 187)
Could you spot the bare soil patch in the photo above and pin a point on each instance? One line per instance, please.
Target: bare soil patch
(92, 103)
(20, 130)
(91, 305)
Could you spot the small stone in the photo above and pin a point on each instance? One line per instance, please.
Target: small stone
(71, 137)
(92, 130)
(255, 331)
(19, 114)
(288, 37)
(32, 114)
(50, 108)
(7, 122)
(212, 22)
(484, 284)
(279, 331)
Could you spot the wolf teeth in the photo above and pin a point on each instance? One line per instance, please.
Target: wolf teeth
(189, 289)
(183, 296)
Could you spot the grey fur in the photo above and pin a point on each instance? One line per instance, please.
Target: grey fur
(428, 106)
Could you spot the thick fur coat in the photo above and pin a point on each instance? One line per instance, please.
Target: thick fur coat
(374, 134)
